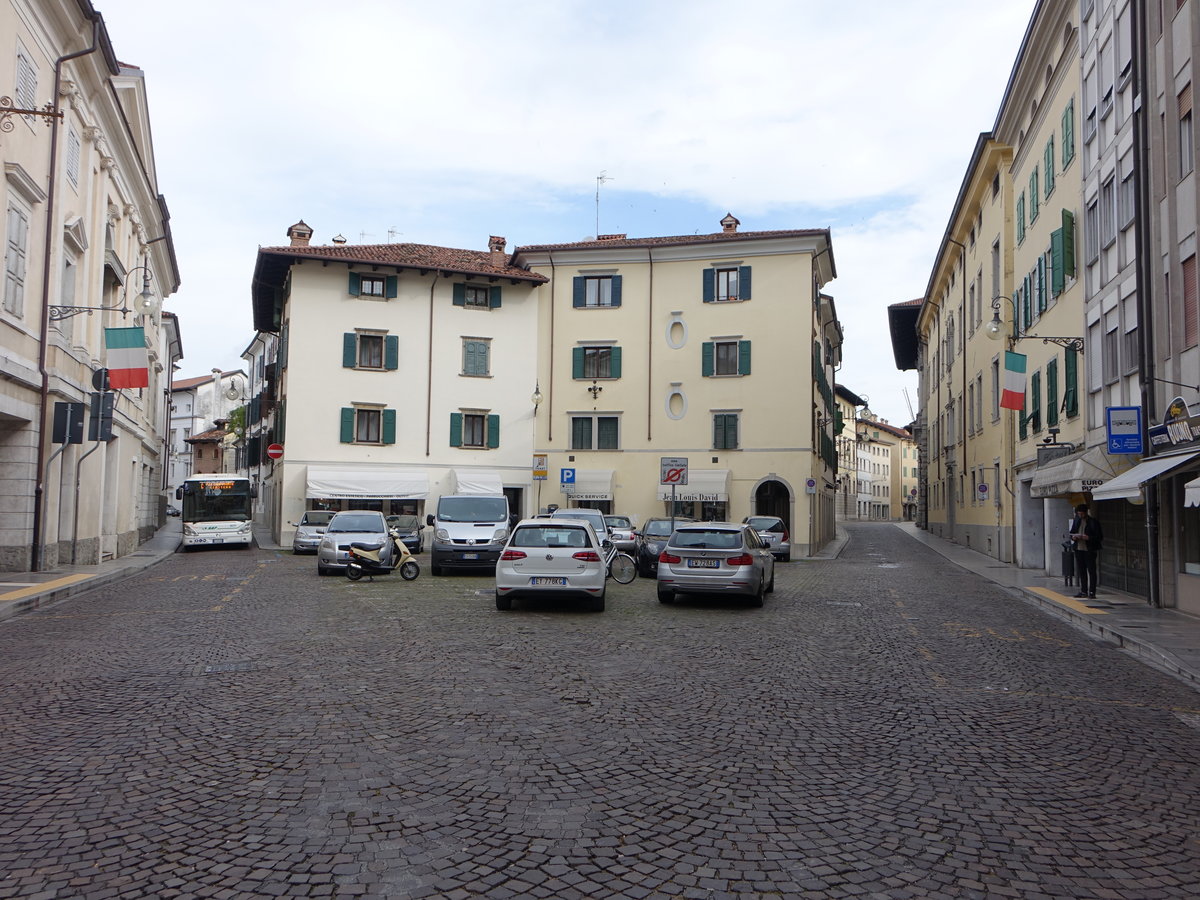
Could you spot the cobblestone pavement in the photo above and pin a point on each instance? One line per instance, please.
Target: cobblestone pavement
(228, 724)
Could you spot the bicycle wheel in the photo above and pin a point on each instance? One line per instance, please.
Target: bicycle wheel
(622, 568)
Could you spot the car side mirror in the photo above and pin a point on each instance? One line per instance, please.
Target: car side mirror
(429, 520)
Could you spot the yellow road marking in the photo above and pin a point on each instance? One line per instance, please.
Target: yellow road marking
(1068, 602)
(44, 586)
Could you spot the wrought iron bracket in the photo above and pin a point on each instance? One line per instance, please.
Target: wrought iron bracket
(65, 312)
(7, 111)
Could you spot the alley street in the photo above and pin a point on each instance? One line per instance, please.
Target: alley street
(229, 724)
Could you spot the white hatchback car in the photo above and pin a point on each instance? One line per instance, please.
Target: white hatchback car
(551, 557)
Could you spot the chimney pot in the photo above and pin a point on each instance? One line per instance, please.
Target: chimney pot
(496, 245)
(300, 234)
(729, 224)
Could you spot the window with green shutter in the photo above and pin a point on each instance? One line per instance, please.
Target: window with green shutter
(1068, 239)
(1049, 164)
(370, 350)
(595, 433)
(477, 431)
(725, 358)
(367, 425)
(1057, 277)
(475, 296)
(723, 283)
(1034, 197)
(596, 362)
(1052, 392)
(1035, 394)
(596, 291)
(1041, 284)
(476, 357)
(380, 286)
(1023, 422)
(725, 431)
(1071, 383)
(1021, 218)
(1068, 134)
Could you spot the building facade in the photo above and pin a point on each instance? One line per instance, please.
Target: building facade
(87, 248)
(685, 348)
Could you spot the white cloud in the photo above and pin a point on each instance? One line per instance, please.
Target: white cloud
(451, 121)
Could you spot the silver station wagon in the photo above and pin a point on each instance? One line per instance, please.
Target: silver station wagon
(716, 558)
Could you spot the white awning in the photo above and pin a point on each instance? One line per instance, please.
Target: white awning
(591, 484)
(1074, 474)
(1191, 493)
(703, 484)
(1130, 483)
(336, 483)
(477, 481)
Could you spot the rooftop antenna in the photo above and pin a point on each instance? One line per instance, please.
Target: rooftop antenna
(600, 179)
(392, 232)
(363, 235)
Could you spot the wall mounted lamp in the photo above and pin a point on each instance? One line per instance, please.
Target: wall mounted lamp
(995, 329)
(143, 304)
(595, 389)
(536, 398)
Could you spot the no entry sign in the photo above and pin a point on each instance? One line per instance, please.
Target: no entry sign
(275, 451)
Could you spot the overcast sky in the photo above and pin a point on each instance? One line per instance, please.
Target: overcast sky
(443, 123)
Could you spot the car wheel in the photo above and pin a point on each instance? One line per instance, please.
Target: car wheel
(596, 604)
(665, 595)
(502, 603)
(322, 570)
(771, 583)
(757, 599)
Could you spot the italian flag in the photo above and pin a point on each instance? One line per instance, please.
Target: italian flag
(1014, 381)
(128, 365)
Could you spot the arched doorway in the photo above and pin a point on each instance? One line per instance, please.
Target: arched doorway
(772, 498)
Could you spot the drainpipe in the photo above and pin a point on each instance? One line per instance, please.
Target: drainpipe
(550, 385)
(429, 369)
(962, 328)
(650, 348)
(1144, 283)
(39, 491)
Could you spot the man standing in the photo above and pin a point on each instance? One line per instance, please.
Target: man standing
(1087, 536)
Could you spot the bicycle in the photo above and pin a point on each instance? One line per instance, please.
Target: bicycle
(620, 566)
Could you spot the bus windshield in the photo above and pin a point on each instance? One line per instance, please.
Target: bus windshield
(216, 501)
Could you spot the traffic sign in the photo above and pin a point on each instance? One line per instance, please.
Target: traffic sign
(539, 467)
(275, 451)
(673, 470)
(566, 476)
(983, 490)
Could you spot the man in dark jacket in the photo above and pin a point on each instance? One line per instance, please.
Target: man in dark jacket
(1087, 536)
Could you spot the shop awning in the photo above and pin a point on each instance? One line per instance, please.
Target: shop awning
(1082, 471)
(1191, 493)
(591, 484)
(344, 483)
(703, 484)
(1130, 483)
(478, 481)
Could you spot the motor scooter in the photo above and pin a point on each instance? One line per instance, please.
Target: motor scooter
(365, 560)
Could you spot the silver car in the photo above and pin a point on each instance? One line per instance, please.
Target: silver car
(622, 533)
(716, 558)
(352, 526)
(592, 516)
(774, 531)
(309, 530)
(551, 557)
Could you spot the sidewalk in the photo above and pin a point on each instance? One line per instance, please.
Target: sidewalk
(1165, 638)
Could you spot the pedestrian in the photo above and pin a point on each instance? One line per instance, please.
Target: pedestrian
(1087, 535)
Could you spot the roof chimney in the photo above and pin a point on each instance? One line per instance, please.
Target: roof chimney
(496, 245)
(300, 234)
(729, 224)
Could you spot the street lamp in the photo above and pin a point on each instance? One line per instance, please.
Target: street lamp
(143, 304)
(536, 399)
(995, 329)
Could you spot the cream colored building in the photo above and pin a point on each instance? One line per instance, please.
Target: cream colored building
(87, 247)
(846, 443)
(718, 349)
(406, 372)
(892, 460)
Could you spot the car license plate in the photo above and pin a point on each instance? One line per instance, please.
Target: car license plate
(703, 563)
(470, 556)
(218, 540)
(558, 582)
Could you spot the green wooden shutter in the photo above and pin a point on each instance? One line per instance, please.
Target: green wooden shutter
(616, 290)
(579, 292)
(710, 285)
(459, 297)
(389, 426)
(392, 283)
(493, 431)
(1052, 392)
(391, 351)
(1026, 304)
(1050, 166)
(706, 358)
(1068, 133)
(347, 424)
(743, 357)
(1034, 197)
(743, 282)
(1071, 385)
(1058, 279)
(576, 362)
(1022, 422)
(494, 297)
(614, 362)
(1016, 313)
(281, 420)
(1041, 284)
(1021, 218)
(1068, 230)
(355, 284)
(283, 346)
(1035, 394)
(349, 350)
(455, 429)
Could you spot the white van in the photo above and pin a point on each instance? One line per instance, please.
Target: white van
(469, 532)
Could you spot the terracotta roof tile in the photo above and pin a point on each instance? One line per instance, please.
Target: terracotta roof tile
(410, 256)
(714, 238)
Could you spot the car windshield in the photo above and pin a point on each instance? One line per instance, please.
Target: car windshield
(346, 524)
(659, 528)
(707, 539)
(316, 517)
(403, 523)
(618, 522)
(549, 536)
(473, 509)
(765, 523)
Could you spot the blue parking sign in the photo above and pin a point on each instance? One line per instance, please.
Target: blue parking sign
(567, 476)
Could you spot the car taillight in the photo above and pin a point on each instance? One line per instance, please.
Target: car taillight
(512, 554)
(744, 560)
(669, 558)
(586, 556)
(787, 539)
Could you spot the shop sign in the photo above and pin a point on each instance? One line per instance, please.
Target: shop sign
(1179, 427)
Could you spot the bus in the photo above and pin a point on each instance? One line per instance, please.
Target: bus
(216, 510)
